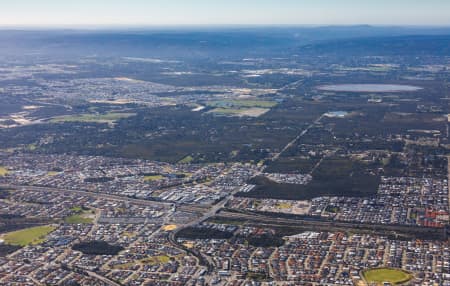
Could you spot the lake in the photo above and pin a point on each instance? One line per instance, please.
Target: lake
(369, 88)
(336, 114)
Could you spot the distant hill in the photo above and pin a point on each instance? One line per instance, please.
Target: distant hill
(434, 45)
(225, 42)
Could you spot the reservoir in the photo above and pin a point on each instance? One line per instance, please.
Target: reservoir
(369, 88)
(336, 114)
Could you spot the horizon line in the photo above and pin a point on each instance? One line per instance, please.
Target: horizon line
(188, 26)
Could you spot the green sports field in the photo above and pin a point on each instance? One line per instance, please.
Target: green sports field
(380, 275)
(33, 235)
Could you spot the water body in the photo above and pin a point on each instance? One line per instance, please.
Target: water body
(369, 88)
(199, 108)
(336, 114)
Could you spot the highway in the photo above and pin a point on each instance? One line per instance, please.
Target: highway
(102, 278)
(92, 274)
(142, 202)
(318, 224)
(207, 212)
(203, 259)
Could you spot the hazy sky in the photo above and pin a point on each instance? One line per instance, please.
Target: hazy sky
(218, 12)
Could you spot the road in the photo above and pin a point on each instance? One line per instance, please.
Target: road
(97, 276)
(102, 278)
(448, 178)
(292, 143)
(87, 193)
(212, 212)
(203, 259)
(317, 224)
(143, 202)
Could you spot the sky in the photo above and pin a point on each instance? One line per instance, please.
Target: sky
(38, 13)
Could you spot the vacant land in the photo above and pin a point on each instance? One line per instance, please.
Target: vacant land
(156, 260)
(381, 275)
(249, 112)
(169, 227)
(81, 215)
(82, 218)
(34, 235)
(241, 108)
(186, 160)
(153, 178)
(3, 171)
(242, 103)
(153, 261)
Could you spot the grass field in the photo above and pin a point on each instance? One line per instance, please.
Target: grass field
(129, 234)
(77, 209)
(78, 219)
(96, 118)
(223, 110)
(34, 235)
(241, 107)
(245, 111)
(380, 275)
(153, 178)
(80, 216)
(155, 260)
(186, 160)
(3, 171)
(32, 147)
(284, 206)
